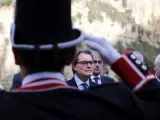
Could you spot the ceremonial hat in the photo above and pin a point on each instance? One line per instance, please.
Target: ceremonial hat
(44, 24)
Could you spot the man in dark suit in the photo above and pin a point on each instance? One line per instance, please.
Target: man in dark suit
(17, 81)
(97, 70)
(82, 67)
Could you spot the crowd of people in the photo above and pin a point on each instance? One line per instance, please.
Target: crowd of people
(90, 70)
(43, 42)
(87, 66)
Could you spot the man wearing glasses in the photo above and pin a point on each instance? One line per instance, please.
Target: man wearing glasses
(97, 70)
(82, 67)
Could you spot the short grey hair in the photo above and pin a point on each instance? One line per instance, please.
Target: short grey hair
(94, 53)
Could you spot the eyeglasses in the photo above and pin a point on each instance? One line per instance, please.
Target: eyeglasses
(99, 61)
(85, 62)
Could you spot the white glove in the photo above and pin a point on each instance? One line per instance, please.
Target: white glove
(106, 50)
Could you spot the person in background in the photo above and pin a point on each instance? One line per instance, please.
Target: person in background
(98, 69)
(105, 70)
(82, 68)
(157, 67)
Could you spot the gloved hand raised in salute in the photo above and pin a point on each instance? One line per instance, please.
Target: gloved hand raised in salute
(131, 70)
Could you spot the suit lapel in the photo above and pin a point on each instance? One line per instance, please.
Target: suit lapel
(73, 82)
(107, 80)
(102, 80)
(92, 84)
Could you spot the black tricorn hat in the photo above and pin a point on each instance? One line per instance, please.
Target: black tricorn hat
(44, 23)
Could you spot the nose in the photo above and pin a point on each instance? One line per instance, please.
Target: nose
(97, 64)
(89, 65)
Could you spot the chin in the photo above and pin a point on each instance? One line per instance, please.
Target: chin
(89, 74)
(97, 73)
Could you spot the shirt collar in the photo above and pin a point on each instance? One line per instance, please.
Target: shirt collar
(32, 77)
(79, 81)
(43, 81)
(92, 77)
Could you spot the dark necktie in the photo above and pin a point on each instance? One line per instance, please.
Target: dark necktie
(85, 86)
(96, 79)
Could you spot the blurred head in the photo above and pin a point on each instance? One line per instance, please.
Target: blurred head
(98, 64)
(139, 55)
(43, 42)
(157, 66)
(31, 62)
(83, 64)
(105, 70)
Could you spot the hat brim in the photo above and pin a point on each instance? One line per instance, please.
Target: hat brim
(61, 45)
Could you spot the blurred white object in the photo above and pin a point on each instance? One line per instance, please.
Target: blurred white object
(1, 87)
(108, 53)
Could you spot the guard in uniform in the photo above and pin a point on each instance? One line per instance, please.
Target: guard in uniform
(43, 42)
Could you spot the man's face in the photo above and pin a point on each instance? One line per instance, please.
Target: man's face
(84, 66)
(97, 66)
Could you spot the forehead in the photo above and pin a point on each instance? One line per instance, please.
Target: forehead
(97, 57)
(84, 56)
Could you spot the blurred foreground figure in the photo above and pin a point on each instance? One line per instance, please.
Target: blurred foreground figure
(43, 43)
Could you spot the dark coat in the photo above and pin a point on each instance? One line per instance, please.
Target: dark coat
(112, 101)
(117, 103)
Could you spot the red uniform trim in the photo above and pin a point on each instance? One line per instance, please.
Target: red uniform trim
(45, 86)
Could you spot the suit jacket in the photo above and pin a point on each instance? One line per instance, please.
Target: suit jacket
(106, 80)
(72, 82)
(17, 81)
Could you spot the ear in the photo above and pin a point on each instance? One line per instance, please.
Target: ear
(73, 67)
(16, 56)
(70, 56)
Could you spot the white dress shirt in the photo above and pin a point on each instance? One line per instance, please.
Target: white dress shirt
(79, 82)
(99, 80)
